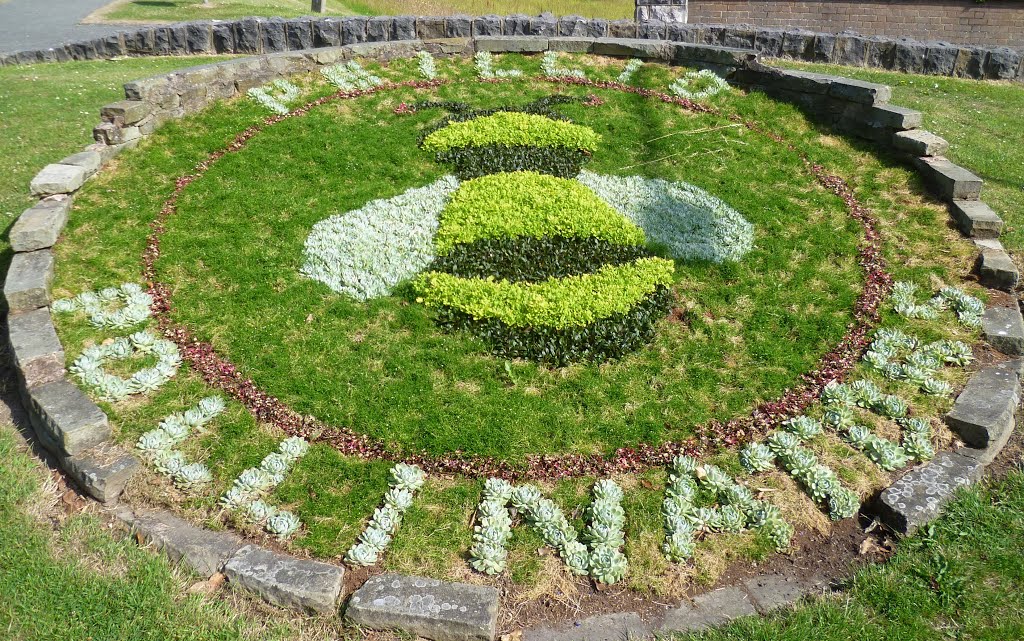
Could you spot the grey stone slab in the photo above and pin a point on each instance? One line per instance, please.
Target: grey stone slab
(919, 496)
(57, 179)
(851, 50)
(975, 219)
(67, 417)
(909, 55)
(247, 36)
(286, 581)
(996, 269)
(739, 37)
(768, 42)
(37, 352)
(1003, 328)
(635, 48)
(202, 550)
(1002, 63)
(802, 81)
(40, 226)
(708, 610)
(426, 607)
(940, 59)
(893, 116)
(274, 36)
(327, 32)
(865, 93)
(652, 29)
(403, 28)
(774, 591)
(490, 25)
(920, 142)
(824, 47)
(986, 407)
(28, 281)
(458, 27)
(681, 32)
(430, 28)
(624, 626)
(988, 243)
(970, 62)
(223, 37)
(622, 29)
(953, 181)
(300, 34)
(102, 472)
(797, 44)
(199, 37)
(571, 45)
(90, 161)
(502, 44)
(518, 25)
(544, 25)
(378, 29)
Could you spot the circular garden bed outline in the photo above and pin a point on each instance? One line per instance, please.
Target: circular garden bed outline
(222, 374)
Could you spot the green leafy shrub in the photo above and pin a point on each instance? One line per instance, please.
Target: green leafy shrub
(511, 128)
(529, 204)
(473, 162)
(560, 303)
(602, 340)
(530, 259)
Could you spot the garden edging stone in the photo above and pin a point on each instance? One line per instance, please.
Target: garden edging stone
(71, 425)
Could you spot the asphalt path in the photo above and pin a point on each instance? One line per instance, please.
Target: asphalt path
(41, 24)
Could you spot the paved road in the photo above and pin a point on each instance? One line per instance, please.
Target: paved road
(38, 24)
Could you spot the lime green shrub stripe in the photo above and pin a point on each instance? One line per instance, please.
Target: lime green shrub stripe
(512, 129)
(557, 302)
(526, 203)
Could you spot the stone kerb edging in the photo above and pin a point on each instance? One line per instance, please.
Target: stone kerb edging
(273, 35)
(71, 426)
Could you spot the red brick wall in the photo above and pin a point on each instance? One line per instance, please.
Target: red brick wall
(992, 23)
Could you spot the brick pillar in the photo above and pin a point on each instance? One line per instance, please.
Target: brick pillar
(664, 10)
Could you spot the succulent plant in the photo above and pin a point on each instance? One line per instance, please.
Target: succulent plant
(804, 427)
(876, 360)
(839, 417)
(779, 532)
(936, 387)
(916, 425)
(194, 417)
(488, 558)
(835, 393)
(820, 482)
(253, 480)
(576, 557)
(782, 443)
(155, 441)
(960, 353)
(892, 406)
(146, 380)
(739, 496)
(398, 499)
(525, 496)
(685, 465)
(407, 477)
(866, 393)
(177, 431)
(918, 446)
(169, 462)
(375, 537)
(682, 488)
(294, 447)
(731, 519)
(715, 478)
(283, 524)
(259, 511)
(757, 457)
(64, 305)
(679, 545)
(234, 498)
(924, 359)
(842, 504)
(211, 406)
(915, 375)
(893, 372)
(607, 565)
(498, 490)
(362, 554)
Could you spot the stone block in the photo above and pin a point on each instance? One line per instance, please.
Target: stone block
(488, 26)
(824, 47)
(458, 27)
(140, 42)
(247, 36)
(597, 28)
(28, 281)
(403, 28)
(37, 353)
(572, 26)
(1002, 63)
(519, 25)
(775, 591)
(652, 30)
(90, 161)
(223, 37)
(378, 29)
(286, 581)
(708, 610)
(519, 44)
(940, 59)
(985, 410)
(738, 37)
(62, 414)
(110, 46)
(603, 627)
(299, 33)
(426, 607)
(970, 63)
(102, 472)
(199, 37)
(682, 32)
(802, 81)
(83, 50)
(851, 50)
(648, 49)
(797, 44)
(622, 29)
(1003, 328)
(892, 116)
(430, 28)
(908, 56)
(327, 32)
(919, 496)
(975, 219)
(275, 38)
(860, 92)
(768, 42)
(201, 550)
(996, 269)
(57, 179)
(920, 142)
(544, 25)
(952, 181)
(126, 112)
(40, 226)
(881, 51)
(571, 45)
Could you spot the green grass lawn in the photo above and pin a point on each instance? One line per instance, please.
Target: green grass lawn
(177, 10)
(884, 602)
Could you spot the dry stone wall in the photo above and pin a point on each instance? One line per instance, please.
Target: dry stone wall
(276, 35)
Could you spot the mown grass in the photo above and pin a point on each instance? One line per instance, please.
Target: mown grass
(981, 121)
(240, 288)
(177, 10)
(65, 577)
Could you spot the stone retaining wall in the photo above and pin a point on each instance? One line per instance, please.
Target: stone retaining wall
(274, 35)
(994, 23)
(77, 432)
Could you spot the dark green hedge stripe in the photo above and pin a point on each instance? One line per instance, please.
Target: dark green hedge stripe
(530, 259)
(474, 162)
(605, 339)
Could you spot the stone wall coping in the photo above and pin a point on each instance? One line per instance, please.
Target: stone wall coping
(254, 35)
(74, 428)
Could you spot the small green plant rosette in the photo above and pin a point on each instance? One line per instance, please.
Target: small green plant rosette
(511, 129)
